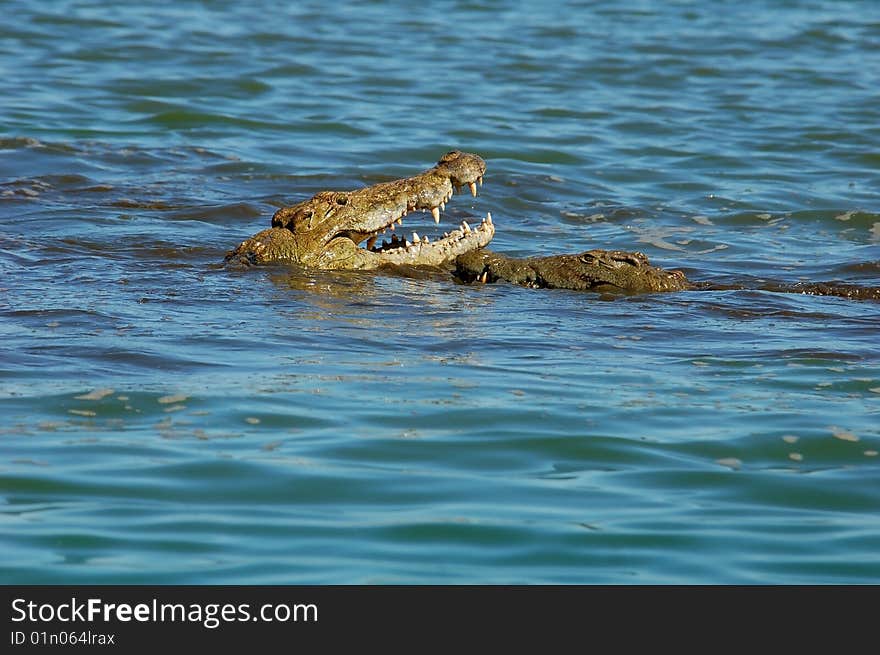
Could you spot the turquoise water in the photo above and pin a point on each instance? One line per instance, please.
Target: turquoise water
(165, 420)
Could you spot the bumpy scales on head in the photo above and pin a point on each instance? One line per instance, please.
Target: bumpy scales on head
(341, 229)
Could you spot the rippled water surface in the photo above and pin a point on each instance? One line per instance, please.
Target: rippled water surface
(167, 420)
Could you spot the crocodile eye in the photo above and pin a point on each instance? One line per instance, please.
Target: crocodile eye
(341, 200)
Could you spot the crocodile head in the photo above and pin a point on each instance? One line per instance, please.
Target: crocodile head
(341, 229)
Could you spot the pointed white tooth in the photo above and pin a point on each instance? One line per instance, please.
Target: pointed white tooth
(443, 206)
(484, 277)
(480, 180)
(406, 243)
(446, 235)
(451, 191)
(489, 218)
(400, 221)
(435, 212)
(466, 227)
(426, 240)
(473, 188)
(416, 237)
(391, 227)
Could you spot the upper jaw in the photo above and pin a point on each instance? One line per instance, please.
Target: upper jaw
(368, 213)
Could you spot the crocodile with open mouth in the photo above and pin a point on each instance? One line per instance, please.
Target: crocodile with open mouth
(336, 230)
(341, 229)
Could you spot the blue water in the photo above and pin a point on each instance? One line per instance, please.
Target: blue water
(165, 420)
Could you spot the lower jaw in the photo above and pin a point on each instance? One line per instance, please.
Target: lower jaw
(398, 245)
(438, 252)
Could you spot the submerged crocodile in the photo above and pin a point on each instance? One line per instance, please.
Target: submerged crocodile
(340, 230)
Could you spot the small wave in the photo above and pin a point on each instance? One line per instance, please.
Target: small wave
(199, 87)
(128, 203)
(183, 118)
(231, 213)
(31, 143)
(832, 218)
(861, 268)
(18, 142)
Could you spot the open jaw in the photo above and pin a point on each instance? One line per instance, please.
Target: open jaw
(359, 229)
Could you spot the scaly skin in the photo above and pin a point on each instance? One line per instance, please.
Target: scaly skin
(326, 230)
(604, 271)
(620, 272)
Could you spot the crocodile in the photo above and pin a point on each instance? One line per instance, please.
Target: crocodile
(340, 229)
(621, 272)
(336, 230)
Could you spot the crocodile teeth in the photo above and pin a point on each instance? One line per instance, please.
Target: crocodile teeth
(443, 206)
(391, 227)
(480, 180)
(465, 227)
(426, 240)
(416, 237)
(473, 188)
(484, 277)
(400, 221)
(435, 212)
(371, 242)
(489, 218)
